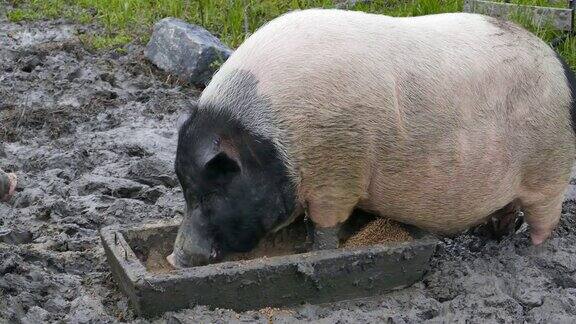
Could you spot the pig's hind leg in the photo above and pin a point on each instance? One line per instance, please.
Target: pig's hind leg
(543, 218)
(542, 212)
(541, 192)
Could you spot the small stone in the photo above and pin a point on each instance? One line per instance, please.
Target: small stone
(529, 297)
(187, 51)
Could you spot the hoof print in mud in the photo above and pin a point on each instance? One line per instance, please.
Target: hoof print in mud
(15, 236)
(116, 187)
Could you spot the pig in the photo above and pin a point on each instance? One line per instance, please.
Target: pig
(438, 121)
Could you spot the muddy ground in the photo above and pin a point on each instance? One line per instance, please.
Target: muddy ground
(92, 138)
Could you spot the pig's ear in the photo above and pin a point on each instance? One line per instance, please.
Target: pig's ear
(221, 169)
(184, 116)
(182, 119)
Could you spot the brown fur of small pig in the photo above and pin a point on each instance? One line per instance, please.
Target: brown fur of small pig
(436, 121)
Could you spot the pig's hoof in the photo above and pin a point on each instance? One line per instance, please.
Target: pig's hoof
(505, 225)
(325, 238)
(539, 236)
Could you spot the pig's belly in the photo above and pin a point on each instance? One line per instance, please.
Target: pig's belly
(439, 197)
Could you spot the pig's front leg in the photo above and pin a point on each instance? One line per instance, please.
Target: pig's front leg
(327, 219)
(326, 238)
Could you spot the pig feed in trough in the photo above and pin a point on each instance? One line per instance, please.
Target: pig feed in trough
(376, 255)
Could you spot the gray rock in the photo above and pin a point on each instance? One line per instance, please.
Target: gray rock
(187, 51)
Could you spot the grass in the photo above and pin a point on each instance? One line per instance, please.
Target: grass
(47, 9)
(407, 8)
(103, 42)
(232, 21)
(539, 3)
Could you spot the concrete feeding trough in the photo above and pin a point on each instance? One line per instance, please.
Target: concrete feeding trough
(137, 261)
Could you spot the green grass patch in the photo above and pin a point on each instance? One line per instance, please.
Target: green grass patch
(539, 3)
(106, 42)
(403, 8)
(567, 49)
(18, 15)
(233, 20)
(230, 20)
(30, 10)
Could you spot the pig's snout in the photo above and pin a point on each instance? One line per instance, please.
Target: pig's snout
(194, 244)
(177, 261)
(183, 259)
(180, 259)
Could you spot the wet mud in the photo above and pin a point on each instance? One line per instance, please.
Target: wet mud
(92, 139)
